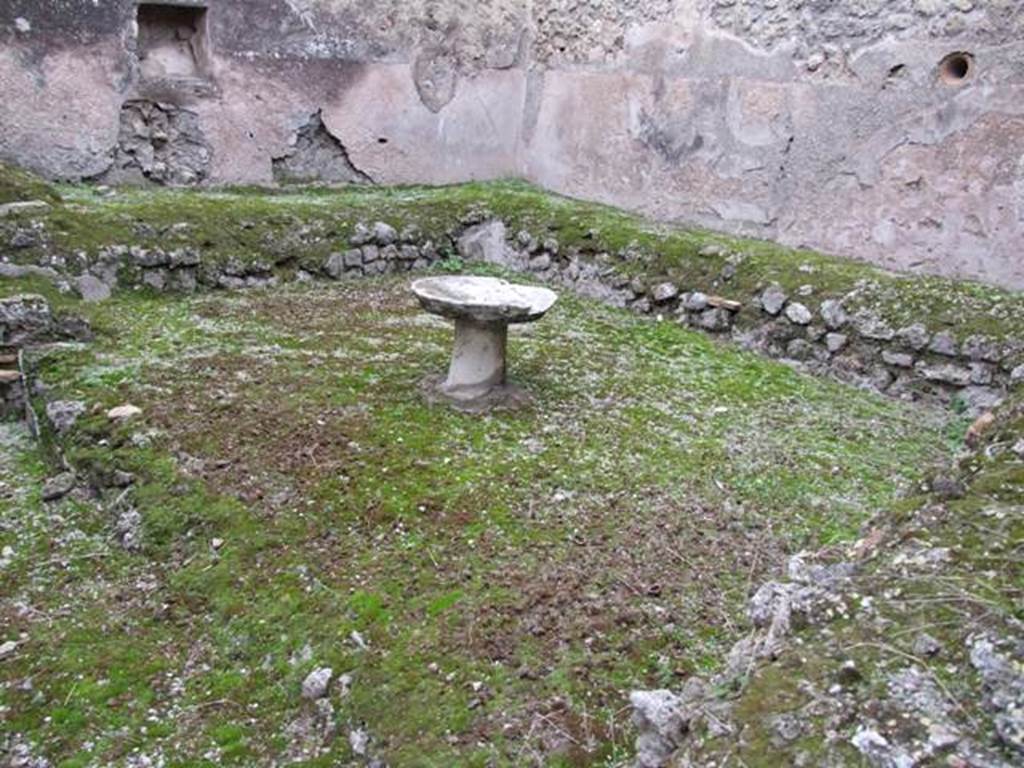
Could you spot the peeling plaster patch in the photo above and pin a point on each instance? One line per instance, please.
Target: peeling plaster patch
(317, 155)
(160, 144)
(22, 25)
(436, 75)
(671, 142)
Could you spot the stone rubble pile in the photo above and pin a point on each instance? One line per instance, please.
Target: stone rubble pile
(664, 720)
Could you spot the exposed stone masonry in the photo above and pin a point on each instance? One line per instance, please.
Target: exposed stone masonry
(820, 26)
(317, 156)
(159, 143)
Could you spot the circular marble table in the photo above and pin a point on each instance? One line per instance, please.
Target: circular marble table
(482, 308)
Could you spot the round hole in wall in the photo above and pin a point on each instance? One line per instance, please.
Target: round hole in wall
(956, 68)
(382, 140)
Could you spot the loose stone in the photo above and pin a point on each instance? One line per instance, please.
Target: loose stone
(58, 487)
(948, 373)
(540, 262)
(914, 337)
(835, 342)
(335, 266)
(62, 414)
(384, 234)
(694, 302)
(978, 348)
(898, 359)
(798, 314)
(870, 326)
(982, 374)
(123, 412)
(715, 320)
(664, 292)
(799, 349)
(927, 646)
(361, 235)
(943, 344)
(834, 314)
(773, 299)
(316, 683)
(91, 288)
(155, 279)
(719, 302)
(23, 207)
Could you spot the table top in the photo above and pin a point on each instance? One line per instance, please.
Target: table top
(483, 299)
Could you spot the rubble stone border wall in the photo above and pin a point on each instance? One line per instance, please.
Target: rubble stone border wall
(823, 337)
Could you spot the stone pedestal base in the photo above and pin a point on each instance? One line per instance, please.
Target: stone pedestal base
(478, 360)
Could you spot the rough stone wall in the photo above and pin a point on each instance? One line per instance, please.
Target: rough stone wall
(810, 25)
(889, 130)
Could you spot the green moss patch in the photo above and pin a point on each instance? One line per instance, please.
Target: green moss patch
(17, 185)
(494, 585)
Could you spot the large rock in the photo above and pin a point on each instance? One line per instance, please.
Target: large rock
(798, 314)
(24, 319)
(316, 683)
(914, 337)
(1003, 679)
(62, 414)
(384, 234)
(485, 242)
(946, 373)
(943, 344)
(834, 314)
(664, 292)
(662, 724)
(92, 289)
(694, 302)
(773, 299)
(870, 326)
(336, 263)
(23, 207)
(59, 486)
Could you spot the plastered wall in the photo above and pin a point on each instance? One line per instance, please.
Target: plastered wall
(891, 131)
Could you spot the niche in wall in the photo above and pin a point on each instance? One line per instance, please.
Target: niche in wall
(172, 43)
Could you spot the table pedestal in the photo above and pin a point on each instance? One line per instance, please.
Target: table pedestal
(478, 360)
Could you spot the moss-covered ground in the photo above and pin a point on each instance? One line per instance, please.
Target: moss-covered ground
(494, 585)
(17, 185)
(948, 567)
